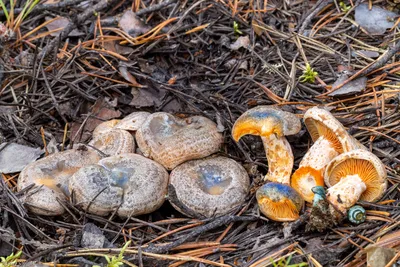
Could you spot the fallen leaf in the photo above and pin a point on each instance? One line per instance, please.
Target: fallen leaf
(132, 25)
(146, 97)
(242, 41)
(60, 23)
(352, 87)
(14, 157)
(379, 256)
(123, 70)
(376, 20)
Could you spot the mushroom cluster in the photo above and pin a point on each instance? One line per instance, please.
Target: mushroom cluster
(336, 160)
(107, 176)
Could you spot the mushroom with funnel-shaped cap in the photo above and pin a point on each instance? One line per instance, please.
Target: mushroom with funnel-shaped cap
(354, 175)
(132, 183)
(279, 202)
(171, 141)
(272, 124)
(330, 139)
(52, 173)
(114, 142)
(208, 187)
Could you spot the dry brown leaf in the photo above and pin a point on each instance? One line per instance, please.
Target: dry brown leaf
(132, 25)
(60, 23)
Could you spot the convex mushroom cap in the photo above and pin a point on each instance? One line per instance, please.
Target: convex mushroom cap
(130, 123)
(171, 141)
(52, 173)
(130, 182)
(279, 202)
(330, 139)
(114, 142)
(208, 187)
(355, 175)
(272, 124)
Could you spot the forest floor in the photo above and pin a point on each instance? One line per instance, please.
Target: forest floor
(67, 66)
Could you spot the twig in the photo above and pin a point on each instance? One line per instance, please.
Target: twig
(199, 230)
(91, 11)
(51, 7)
(369, 68)
(321, 4)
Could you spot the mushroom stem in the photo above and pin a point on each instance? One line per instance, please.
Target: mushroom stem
(346, 192)
(280, 158)
(312, 166)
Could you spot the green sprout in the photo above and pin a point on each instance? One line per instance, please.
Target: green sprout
(9, 14)
(286, 263)
(344, 7)
(115, 261)
(308, 75)
(235, 27)
(10, 260)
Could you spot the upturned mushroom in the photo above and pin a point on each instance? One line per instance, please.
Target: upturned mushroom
(171, 141)
(279, 202)
(114, 142)
(272, 124)
(51, 174)
(208, 187)
(129, 183)
(352, 176)
(330, 139)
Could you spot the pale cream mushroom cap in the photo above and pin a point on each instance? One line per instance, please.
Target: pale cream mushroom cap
(135, 184)
(133, 121)
(105, 127)
(171, 141)
(320, 122)
(53, 173)
(208, 187)
(114, 142)
(364, 164)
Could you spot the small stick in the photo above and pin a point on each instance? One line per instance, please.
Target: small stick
(44, 141)
(64, 136)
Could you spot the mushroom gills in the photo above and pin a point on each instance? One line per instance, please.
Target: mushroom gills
(279, 202)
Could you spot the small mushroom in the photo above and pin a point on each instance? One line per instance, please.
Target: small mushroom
(133, 121)
(114, 142)
(105, 127)
(208, 187)
(354, 175)
(279, 202)
(52, 174)
(130, 183)
(171, 141)
(330, 139)
(272, 124)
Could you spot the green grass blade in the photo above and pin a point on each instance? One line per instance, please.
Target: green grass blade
(5, 10)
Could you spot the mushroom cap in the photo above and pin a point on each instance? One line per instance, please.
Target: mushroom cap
(133, 121)
(133, 183)
(104, 127)
(53, 172)
(320, 122)
(114, 142)
(208, 187)
(266, 120)
(171, 141)
(304, 179)
(279, 202)
(363, 163)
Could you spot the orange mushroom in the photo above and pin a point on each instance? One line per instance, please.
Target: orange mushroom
(330, 139)
(272, 124)
(279, 202)
(354, 175)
